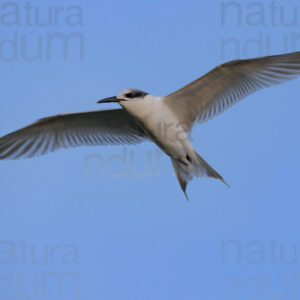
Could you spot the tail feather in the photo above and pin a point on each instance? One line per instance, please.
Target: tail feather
(197, 166)
(210, 172)
(181, 176)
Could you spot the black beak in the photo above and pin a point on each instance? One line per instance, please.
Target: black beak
(110, 99)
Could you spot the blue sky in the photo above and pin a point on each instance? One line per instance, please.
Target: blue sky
(115, 234)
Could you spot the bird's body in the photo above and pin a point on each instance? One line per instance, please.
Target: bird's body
(167, 121)
(160, 124)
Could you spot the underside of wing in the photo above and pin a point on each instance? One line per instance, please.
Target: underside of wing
(228, 83)
(106, 127)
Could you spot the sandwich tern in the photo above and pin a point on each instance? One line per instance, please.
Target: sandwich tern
(167, 121)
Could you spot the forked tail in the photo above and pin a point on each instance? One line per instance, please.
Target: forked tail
(194, 165)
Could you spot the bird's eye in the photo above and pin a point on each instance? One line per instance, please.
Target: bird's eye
(133, 94)
(129, 95)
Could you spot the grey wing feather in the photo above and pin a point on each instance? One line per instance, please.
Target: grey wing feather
(230, 82)
(112, 127)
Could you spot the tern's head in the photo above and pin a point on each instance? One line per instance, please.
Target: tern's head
(126, 95)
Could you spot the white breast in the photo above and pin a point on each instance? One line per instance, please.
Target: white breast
(161, 124)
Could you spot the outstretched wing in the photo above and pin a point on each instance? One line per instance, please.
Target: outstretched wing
(228, 83)
(113, 127)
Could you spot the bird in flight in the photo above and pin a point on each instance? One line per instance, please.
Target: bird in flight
(167, 121)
